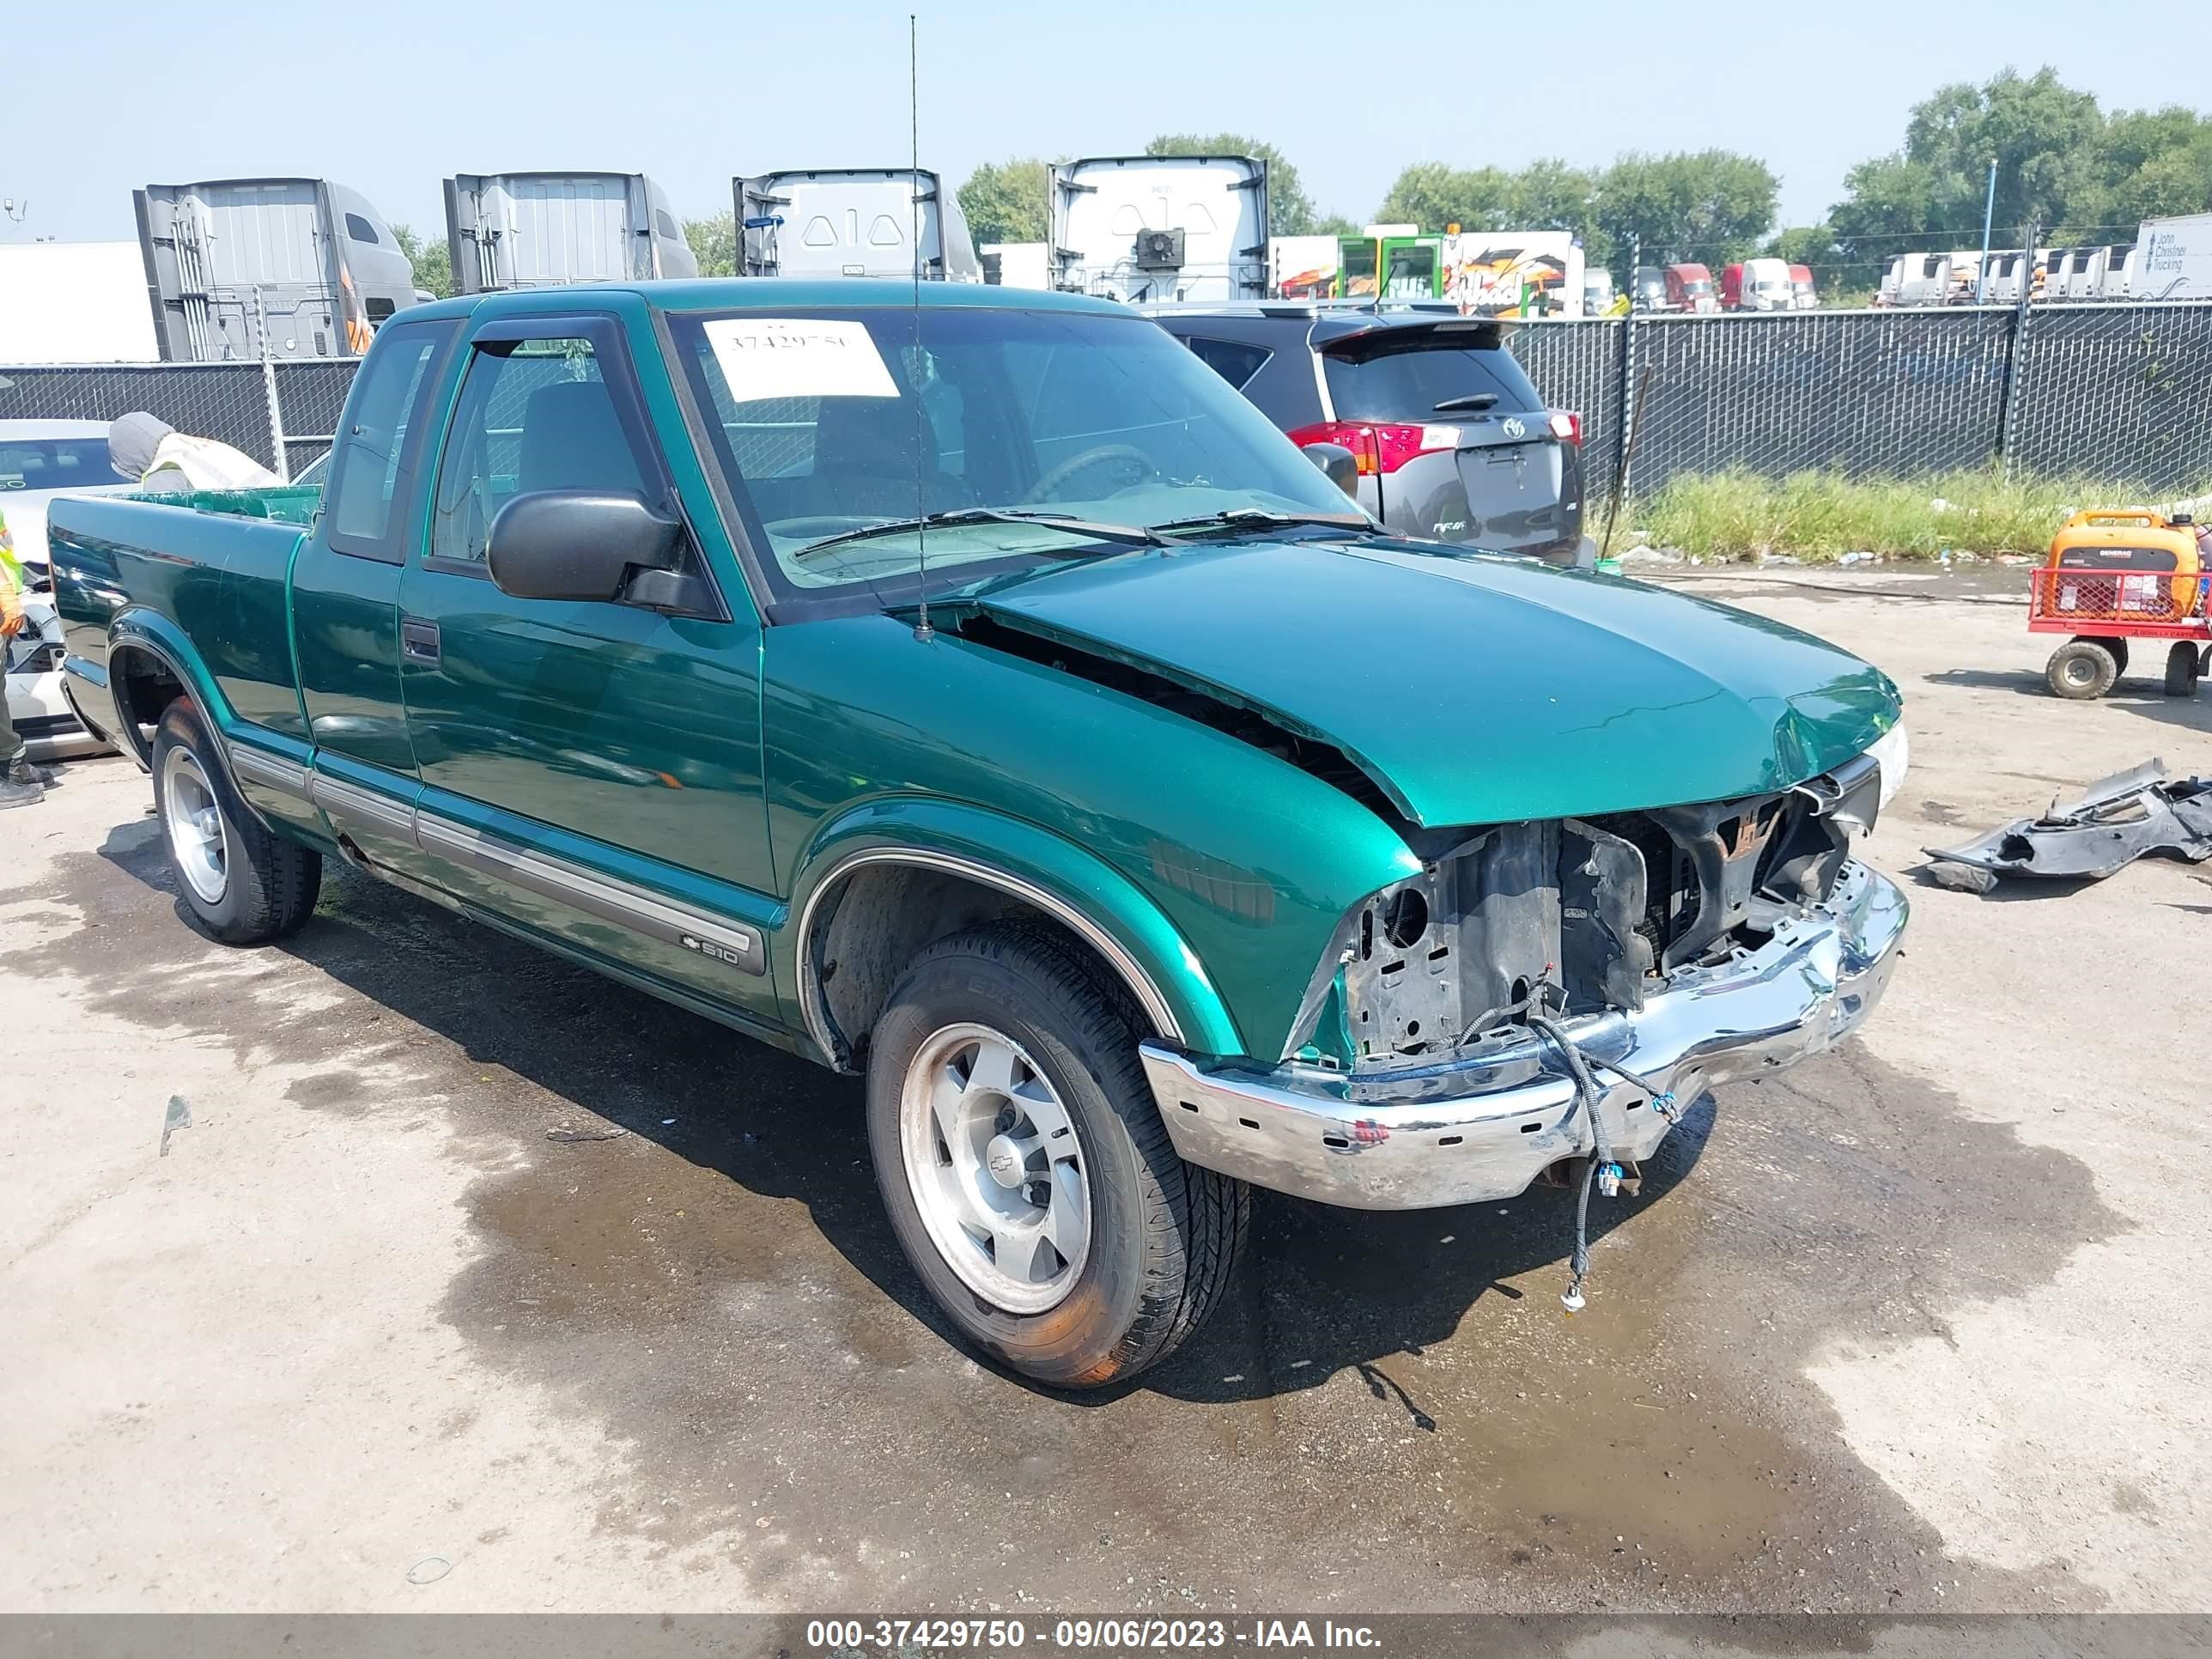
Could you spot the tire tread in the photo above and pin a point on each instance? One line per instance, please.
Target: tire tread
(1196, 1220)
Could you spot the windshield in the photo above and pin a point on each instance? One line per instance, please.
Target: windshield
(829, 422)
(56, 463)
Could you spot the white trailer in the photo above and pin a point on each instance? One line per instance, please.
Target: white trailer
(520, 230)
(1016, 264)
(74, 302)
(852, 221)
(1158, 228)
(2174, 258)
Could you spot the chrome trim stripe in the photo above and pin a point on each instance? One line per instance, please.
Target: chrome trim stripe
(600, 896)
(1133, 974)
(346, 800)
(271, 770)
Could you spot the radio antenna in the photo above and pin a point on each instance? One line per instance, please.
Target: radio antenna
(922, 628)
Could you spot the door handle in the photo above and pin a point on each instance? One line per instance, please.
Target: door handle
(418, 641)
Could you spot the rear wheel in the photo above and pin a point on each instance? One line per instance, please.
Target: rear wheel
(244, 884)
(2080, 670)
(1025, 1168)
(2181, 670)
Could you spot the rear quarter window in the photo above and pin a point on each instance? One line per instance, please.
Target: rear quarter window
(1232, 360)
(1395, 380)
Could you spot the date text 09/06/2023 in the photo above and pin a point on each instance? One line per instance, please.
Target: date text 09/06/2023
(868, 1636)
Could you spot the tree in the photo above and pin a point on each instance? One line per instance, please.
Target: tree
(1546, 195)
(2156, 162)
(433, 262)
(1291, 212)
(1004, 201)
(1711, 207)
(1432, 195)
(2062, 164)
(713, 243)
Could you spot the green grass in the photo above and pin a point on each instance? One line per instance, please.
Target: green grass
(1822, 515)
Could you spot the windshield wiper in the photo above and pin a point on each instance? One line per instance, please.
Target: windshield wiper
(1259, 518)
(1128, 534)
(1472, 400)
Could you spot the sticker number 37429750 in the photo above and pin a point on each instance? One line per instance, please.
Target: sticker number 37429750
(797, 357)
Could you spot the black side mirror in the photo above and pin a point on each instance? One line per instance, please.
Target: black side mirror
(1338, 464)
(580, 545)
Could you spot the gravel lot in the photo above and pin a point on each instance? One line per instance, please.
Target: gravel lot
(1915, 1327)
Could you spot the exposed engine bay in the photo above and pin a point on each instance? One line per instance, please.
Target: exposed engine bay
(1572, 916)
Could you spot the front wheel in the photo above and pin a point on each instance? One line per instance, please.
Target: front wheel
(244, 884)
(2080, 670)
(1025, 1168)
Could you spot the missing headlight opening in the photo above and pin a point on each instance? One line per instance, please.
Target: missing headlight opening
(1603, 910)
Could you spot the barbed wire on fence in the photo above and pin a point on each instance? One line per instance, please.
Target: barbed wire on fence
(2117, 391)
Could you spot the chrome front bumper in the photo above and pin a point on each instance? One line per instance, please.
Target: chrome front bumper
(1487, 1122)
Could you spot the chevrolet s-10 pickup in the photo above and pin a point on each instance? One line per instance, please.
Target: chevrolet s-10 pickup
(971, 690)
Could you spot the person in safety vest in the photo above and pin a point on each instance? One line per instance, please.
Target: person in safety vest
(20, 783)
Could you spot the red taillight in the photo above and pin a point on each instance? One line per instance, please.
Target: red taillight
(1379, 446)
(1567, 426)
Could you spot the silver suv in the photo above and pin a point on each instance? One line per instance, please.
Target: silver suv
(1452, 441)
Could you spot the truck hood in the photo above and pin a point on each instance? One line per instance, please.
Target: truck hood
(1471, 689)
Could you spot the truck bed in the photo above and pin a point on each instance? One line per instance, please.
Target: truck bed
(209, 566)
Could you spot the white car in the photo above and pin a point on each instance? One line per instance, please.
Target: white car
(40, 460)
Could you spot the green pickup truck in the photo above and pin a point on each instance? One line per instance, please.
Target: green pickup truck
(974, 692)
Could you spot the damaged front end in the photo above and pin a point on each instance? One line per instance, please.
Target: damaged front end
(1577, 915)
(1672, 948)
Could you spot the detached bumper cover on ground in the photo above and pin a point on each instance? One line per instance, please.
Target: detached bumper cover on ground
(2116, 821)
(1468, 1131)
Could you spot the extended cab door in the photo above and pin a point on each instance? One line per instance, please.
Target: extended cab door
(589, 770)
(345, 594)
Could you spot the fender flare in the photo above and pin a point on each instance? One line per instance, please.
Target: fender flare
(151, 634)
(1096, 902)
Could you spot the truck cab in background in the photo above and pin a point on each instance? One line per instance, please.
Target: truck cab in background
(1164, 227)
(1690, 287)
(1757, 285)
(304, 265)
(524, 230)
(852, 221)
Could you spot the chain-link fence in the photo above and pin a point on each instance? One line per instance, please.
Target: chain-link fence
(2121, 393)
(248, 406)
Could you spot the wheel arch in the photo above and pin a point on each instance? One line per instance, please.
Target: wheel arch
(958, 866)
(147, 671)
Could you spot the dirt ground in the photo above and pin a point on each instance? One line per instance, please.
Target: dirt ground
(1918, 1326)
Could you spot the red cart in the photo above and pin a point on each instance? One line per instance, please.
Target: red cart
(2118, 576)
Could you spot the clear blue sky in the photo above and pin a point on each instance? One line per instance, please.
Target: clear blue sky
(391, 97)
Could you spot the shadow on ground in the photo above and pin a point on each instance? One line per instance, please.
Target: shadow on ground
(2134, 692)
(1390, 1410)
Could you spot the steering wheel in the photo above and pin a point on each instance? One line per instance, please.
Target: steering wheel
(1041, 490)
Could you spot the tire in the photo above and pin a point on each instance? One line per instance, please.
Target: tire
(242, 883)
(2181, 673)
(1159, 1237)
(2080, 670)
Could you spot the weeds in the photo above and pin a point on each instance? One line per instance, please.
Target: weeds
(1823, 515)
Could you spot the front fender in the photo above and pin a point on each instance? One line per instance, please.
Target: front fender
(1163, 973)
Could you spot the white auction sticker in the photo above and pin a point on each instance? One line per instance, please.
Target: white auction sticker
(797, 357)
